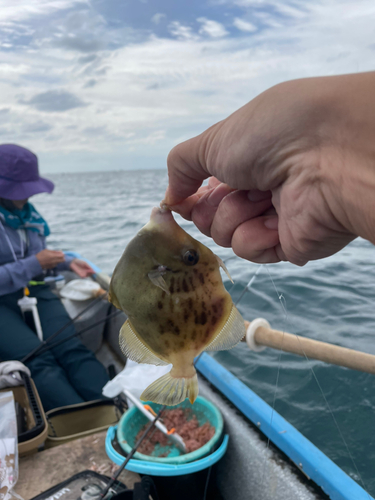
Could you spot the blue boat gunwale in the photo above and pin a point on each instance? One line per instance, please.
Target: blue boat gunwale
(313, 462)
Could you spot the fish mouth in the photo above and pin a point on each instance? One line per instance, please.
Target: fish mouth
(161, 215)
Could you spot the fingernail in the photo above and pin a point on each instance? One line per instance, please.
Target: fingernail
(272, 222)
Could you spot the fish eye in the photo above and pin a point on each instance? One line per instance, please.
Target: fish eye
(191, 257)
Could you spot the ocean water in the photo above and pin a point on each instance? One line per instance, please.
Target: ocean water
(332, 300)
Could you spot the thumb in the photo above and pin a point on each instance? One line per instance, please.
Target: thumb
(186, 170)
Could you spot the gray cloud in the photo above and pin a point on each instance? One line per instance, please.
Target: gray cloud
(79, 43)
(90, 83)
(87, 59)
(153, 86)
(95, 131)
(37, 127)
(102, 71)
(55, 100)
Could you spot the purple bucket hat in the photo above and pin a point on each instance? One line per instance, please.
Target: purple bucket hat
(19, 174)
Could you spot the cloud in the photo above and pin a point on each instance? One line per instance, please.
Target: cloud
(180, 31)
(79, 43)
(81, 30)
(95, 131)
(243, 25)
(37, 127)
(21, 10)
(88, 59)
(157, 18)
(153, 85)
(211, 28)
(55, 101)
(90, 83)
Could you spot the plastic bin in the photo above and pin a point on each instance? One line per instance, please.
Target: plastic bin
(68, 423)
(35, 421)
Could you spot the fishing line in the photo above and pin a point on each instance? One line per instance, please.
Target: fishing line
(207, 482)
(334, 420)
(36, 350)
(283, 305)
(282, 302)
(77, 334)
(134, 449)
(136, 446)
(246, 289)
(249, 285)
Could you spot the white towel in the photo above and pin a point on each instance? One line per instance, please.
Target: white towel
(10, 373)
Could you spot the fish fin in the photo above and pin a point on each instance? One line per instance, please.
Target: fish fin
(157, 279)
(171, 391)
(224, 267)
(232, 332)
(113, 299)
(135, 349)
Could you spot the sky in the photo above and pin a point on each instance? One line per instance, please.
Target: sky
(115, 84)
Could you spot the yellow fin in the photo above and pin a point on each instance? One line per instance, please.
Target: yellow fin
(171, 391)
(135, 349)
(232, 332)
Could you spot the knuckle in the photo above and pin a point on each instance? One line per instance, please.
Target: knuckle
(171, 158)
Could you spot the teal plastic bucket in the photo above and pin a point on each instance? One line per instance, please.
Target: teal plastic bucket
(133, 420)
(159, 469)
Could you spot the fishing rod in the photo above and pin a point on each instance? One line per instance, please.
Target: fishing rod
(37, 349)
(260, 335)
(134, 449)
(77, 334)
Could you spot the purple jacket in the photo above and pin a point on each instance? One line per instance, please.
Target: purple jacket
(15, 274)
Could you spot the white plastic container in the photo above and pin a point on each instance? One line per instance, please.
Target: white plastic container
(29, 304)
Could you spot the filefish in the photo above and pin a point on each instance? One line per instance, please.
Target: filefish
(170, 287)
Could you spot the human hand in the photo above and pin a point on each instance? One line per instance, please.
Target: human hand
(81, 268)
(49, 259)
(293, 171)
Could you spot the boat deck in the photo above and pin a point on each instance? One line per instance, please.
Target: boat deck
(40, 471)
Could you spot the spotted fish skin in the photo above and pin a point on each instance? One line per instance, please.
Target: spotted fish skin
(170, 287)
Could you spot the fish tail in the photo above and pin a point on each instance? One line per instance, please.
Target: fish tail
(171, 391)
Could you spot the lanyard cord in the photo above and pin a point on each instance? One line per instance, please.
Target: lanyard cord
(9, 242)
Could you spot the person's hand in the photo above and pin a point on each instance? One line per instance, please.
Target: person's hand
(81, 268)
(293, 171)
(49, 259)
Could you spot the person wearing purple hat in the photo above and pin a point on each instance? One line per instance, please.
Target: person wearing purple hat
(70, 373)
